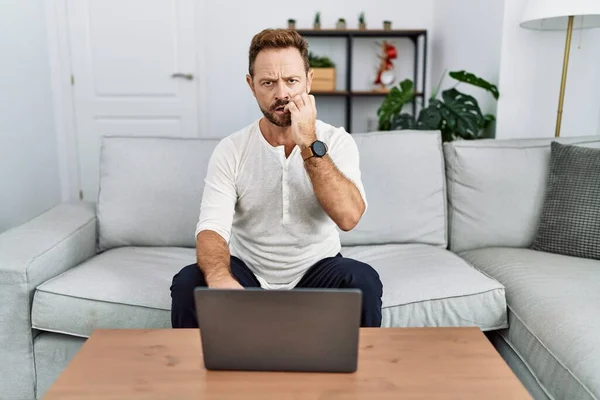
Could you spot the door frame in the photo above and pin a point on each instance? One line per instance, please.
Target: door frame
(57, 35)
(65, 126)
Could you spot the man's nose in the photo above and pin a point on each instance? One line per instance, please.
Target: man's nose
(282, 91)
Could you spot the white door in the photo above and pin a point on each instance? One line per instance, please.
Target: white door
(132, 63)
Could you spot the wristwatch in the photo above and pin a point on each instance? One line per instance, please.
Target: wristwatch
(316, 149)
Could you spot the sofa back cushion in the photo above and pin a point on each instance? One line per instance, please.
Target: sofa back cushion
(496, 189)
(150, 190)
(403, 175)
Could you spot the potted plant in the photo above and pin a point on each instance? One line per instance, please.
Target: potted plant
(387, 25)
(341, 24)
(317, 23)
(457, 115)
(323, 73)
(291, 24)
(362, 24)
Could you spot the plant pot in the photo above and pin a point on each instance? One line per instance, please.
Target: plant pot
(341, 25)
(362, 26)
(317, 25)
(323, 79)
(291, 24)
(387, 25)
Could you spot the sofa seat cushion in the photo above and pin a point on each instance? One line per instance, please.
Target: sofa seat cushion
(554, 304)
(126, 287)
(426, 286)
(129, 288)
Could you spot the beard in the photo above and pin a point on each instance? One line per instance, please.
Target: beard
(279, 120)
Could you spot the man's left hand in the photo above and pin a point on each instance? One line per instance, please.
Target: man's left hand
(304, 114)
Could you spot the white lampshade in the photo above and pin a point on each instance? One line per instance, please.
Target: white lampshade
(554, 14)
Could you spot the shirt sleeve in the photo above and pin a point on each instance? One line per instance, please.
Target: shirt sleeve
(220, 194)
(344, 153)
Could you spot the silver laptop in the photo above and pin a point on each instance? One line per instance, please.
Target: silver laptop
(308, 330)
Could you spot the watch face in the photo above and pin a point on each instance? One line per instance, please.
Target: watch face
(319, 148)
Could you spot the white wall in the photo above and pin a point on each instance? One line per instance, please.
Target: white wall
(468, 37)
(530, 73)
(29, 178)
(224, 37)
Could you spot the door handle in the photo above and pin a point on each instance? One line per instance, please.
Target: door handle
(189, 77)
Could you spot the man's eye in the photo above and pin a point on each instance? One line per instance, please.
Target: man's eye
(267, 83)
(293, 80)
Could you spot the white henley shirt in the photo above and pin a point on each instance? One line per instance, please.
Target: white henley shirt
(264, 206)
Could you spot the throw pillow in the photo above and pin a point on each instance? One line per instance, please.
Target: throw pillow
(570, 220)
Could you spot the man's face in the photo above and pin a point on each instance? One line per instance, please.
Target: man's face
(279, 75)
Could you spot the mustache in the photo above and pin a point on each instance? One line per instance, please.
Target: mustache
(279, 103)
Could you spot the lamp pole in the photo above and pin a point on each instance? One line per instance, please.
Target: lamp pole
(563, 82)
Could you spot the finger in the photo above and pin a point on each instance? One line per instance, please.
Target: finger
(313, 102)
(299, 101)
(291, 107)
(306, 99)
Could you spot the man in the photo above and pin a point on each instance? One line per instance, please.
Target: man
(277, 191)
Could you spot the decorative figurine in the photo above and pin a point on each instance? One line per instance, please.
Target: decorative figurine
(385, 73)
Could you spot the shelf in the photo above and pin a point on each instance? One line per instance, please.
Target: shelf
(341, 93)
(344, 93)
(362, 33)
(349, 38)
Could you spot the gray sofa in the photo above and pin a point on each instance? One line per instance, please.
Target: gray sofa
(447, 228)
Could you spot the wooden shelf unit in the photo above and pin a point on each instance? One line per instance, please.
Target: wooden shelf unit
(349, 34)
(354, 93)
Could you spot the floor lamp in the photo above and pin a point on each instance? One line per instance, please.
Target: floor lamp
(561, 15)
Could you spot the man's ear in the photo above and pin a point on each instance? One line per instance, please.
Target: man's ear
(250, 83)
(309, 78)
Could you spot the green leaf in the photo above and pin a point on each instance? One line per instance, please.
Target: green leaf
(393, 103)
(487, 120)
(461, 114)
(430, 118)
(403, 121)
(472, 79)
(315, 61)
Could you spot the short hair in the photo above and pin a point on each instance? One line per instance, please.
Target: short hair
(277, 39)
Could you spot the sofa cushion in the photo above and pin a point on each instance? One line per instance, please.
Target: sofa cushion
(554, 304)
(496, 189)
(129, 288)
(570, 221)
(404, 179)
(425, 286)
(121, 288)
(150, 190)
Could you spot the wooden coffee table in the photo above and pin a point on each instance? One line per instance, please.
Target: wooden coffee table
(394, 363)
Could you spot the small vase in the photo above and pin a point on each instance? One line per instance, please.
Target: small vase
(291, 24)
(362, 26)
(317, 26)
(387, 25)
(341, 25)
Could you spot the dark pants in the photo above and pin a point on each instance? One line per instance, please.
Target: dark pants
(332, 272)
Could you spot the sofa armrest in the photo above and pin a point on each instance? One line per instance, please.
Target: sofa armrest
(30, 254)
